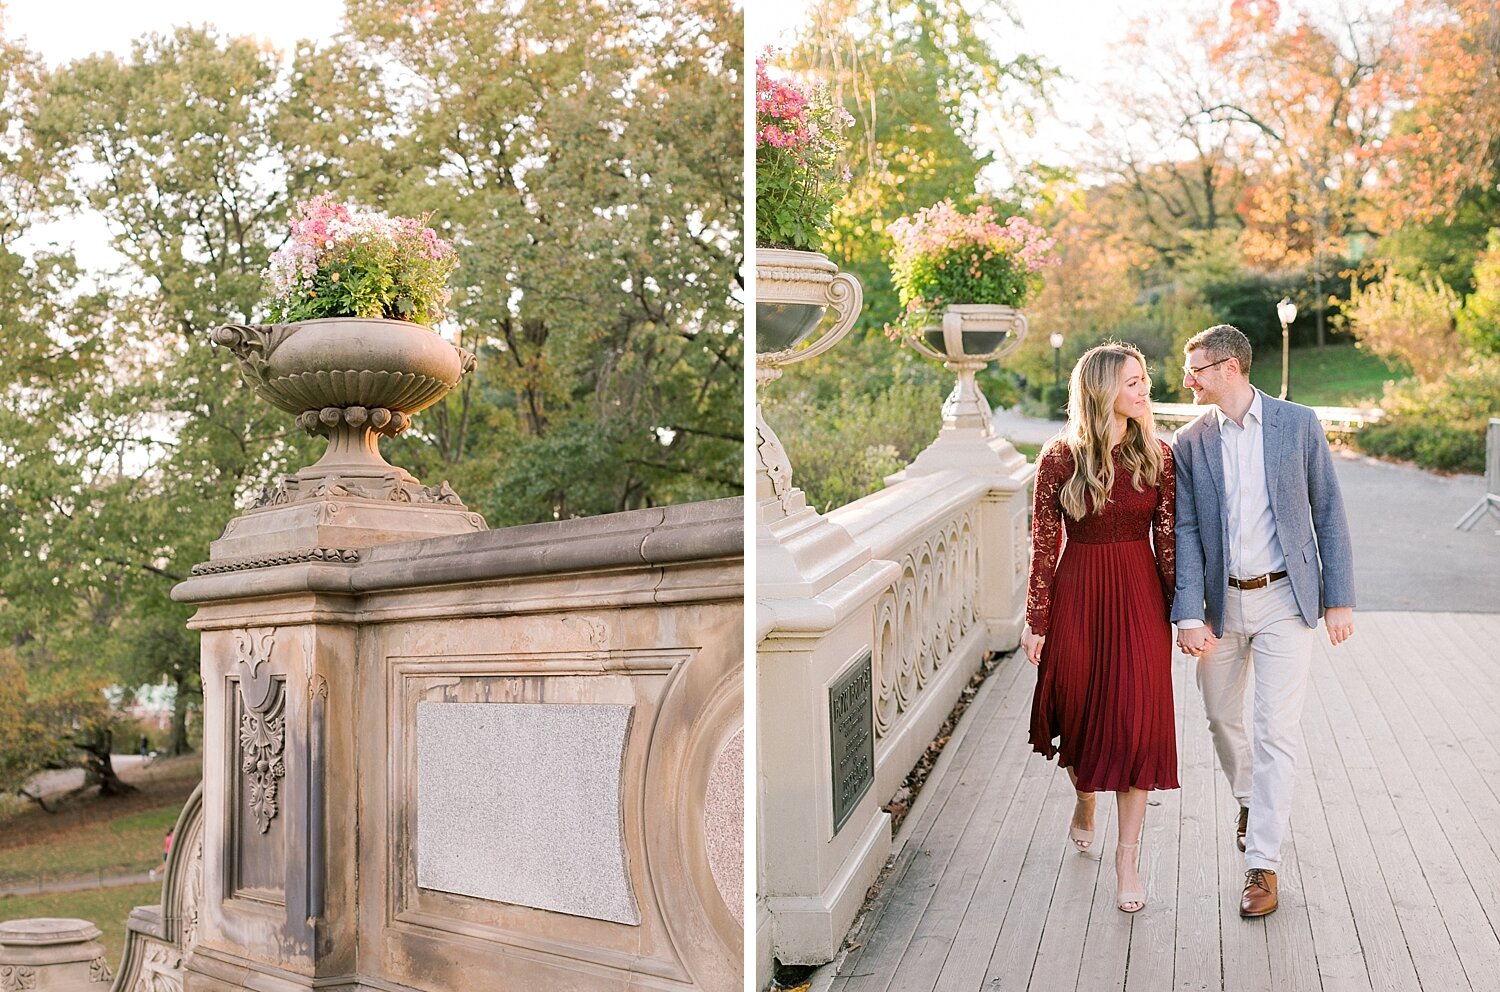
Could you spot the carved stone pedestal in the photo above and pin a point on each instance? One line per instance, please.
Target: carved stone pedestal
(52, 955)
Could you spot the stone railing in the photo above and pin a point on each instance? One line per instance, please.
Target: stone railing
(1336, 420)
(870, 621)
(508, 760)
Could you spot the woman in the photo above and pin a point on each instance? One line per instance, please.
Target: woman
(1097, 612)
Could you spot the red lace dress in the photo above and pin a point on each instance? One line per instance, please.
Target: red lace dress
(1104, 685)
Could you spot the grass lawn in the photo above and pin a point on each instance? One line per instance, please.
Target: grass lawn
(1029, 450)
(1335, 375)
(89, 836)
(104, 908)
(118, 846)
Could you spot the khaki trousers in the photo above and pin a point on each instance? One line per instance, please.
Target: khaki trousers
(1264, 642)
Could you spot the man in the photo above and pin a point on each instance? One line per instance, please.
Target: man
(1262, 552)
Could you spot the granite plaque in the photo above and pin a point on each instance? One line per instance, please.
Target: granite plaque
(520, 803)
(850, 720)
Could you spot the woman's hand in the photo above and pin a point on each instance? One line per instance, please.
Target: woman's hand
(1032, 645)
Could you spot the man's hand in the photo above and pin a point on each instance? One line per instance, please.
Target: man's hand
(1340, 623)
(1196, 641)
(1032, 645)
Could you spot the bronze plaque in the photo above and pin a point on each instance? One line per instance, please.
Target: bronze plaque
(851, 719)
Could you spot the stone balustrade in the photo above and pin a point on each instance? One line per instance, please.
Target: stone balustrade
(870, 621)
(507, 760)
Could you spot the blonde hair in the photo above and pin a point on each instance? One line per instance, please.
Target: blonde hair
(1092, 389)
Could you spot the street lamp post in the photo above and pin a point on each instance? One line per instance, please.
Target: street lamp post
(1056, 340)
(1287, 311)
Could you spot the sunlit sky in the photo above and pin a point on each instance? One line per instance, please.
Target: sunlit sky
(62, 30)
(1074, 36)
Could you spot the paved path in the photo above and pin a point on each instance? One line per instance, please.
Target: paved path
(77, 884)
(1391, 879)
(1407, 554)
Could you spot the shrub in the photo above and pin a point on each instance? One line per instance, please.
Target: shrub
(1479, 320)
(1439, 425)
(844, 450)
(1410, 322)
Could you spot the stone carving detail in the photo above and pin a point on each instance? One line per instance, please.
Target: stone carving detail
(337, 556)
(262, 724)
(192, 896)
(262, 740)
(161, 971)
(778, 466)
(923, 615)
(392, 488)
(377, 418)
(14, 978)
(99, 971)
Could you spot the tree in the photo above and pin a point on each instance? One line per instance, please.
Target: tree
(584, 164)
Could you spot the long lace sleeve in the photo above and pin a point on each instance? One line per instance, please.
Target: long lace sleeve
(1164, 526)
(1053, 468)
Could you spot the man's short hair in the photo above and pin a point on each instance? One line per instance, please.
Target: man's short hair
(1222, 341)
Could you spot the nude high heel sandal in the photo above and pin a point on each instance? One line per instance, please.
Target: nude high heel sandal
(1131, 900)
(1082, 839)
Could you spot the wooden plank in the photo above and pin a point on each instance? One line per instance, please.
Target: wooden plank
(929, 852)
(1058, 957)
(1014, 954)
(1432, 950)
(1246, 961)
(1392, 676)
(970, 946)
(1153, 930)
(1289, 935)
(1387, 959)
(1340, 959)
(1106, 946)
(1196, 955)
(1390, 880)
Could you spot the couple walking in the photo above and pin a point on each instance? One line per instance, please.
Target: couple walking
(1236, 533)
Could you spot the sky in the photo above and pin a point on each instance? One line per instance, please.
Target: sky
(1075, 36)
(63, 30)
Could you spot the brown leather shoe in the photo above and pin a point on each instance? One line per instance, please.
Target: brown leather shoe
(1260, 893)
(1239, 833)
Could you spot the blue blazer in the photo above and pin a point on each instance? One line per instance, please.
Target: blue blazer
(1305, 502)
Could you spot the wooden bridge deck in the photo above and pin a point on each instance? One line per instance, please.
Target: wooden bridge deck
(1391, 880)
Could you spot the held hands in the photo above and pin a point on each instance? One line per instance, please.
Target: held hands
(1340, 623)
(1196, 642)
(1032, 645)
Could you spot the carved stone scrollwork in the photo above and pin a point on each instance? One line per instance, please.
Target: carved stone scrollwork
(340, 556)
(920, 618)
(99, 971)
(378, 420)
(16, 978)
(262, 729)
(161, 971)
(192, 897)
(262, 741)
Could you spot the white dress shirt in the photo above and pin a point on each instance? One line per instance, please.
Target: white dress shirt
(1253, 548)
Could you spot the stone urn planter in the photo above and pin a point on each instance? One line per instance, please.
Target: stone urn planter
(969, 337)
(351, 380)
(793, 292)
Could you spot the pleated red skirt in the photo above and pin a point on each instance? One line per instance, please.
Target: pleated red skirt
(1103, 699)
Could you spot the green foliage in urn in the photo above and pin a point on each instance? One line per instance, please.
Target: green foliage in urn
(799, 175)
(342, 261)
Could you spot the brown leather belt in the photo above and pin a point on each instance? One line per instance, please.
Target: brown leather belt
(1259, 582)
